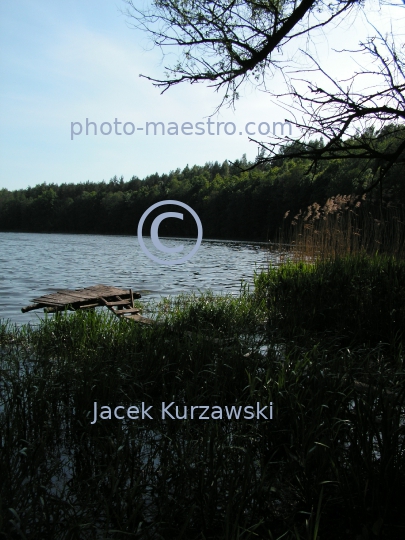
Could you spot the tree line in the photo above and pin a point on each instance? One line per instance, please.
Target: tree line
(240, 200)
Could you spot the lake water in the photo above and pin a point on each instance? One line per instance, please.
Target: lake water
(35, 264)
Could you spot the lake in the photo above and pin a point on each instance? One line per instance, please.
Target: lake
(33, 264)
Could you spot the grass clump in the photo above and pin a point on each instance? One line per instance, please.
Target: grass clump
(329, 464)
(355, 298)
(345, 225)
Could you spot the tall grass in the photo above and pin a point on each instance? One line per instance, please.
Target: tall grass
(329, 465)
(321, 339)
(345, 226)
(357, 298)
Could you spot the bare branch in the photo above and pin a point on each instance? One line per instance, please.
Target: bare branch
(226, 42)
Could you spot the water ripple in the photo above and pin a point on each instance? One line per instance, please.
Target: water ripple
(35, 264)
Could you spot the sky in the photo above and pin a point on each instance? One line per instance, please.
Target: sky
(64, 62)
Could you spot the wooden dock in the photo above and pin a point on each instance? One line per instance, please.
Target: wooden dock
(118, 301)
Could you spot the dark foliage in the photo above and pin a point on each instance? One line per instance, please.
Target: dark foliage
(232, 202)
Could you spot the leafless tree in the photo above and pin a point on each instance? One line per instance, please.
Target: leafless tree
(227, 42)
(354, 122)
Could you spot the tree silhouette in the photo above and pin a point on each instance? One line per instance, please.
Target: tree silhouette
(227, 42)
(367, 124)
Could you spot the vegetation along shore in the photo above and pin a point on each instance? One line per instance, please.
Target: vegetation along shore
(302, 374)
(321, 339)
(232, 200)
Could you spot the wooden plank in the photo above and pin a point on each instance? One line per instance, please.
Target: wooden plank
(132, 297)
(52, 302)
(104, 290)
(81, 295)
(89, 297)
(86, 306)
(114, 302)
(123, 311)
(139, 318)
(61, 299)
(86, 294)
(77, 295)
(31, 307)
(57, 298)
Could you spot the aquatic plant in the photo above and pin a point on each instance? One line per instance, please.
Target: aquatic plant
(329, 464)
(356, 298)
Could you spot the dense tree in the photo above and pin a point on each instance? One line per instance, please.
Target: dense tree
(231, 203)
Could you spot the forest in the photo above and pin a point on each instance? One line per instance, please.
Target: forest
(239, 200)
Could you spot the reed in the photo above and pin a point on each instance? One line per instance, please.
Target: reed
(357, 298)
(345, 226)
(330, 464)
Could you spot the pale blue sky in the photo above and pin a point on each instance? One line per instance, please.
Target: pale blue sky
(63, 62)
